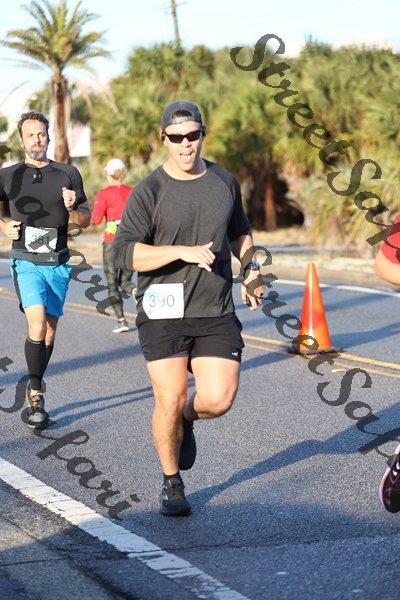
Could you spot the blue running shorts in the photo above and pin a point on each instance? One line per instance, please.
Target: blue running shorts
(41, 284)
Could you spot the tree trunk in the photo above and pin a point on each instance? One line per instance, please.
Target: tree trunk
(176, 26)
(61, 152)
(269, 202)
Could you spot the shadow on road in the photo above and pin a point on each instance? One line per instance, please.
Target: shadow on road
(264, 359)
(132, 396)
(77, 363)
(348, 441)
(358, 338)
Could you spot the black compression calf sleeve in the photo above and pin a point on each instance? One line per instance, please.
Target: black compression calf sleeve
(35, 354)
(48, 353)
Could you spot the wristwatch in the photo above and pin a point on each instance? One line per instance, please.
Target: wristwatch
(254, 266)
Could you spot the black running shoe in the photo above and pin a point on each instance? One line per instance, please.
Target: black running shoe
(37, 416)
(390, 484)
(187, 453)
(173, 502)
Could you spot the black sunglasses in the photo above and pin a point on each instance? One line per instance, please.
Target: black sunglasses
(177, 138)
(37, 176)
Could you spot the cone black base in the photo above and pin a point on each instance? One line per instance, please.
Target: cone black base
(313, 352)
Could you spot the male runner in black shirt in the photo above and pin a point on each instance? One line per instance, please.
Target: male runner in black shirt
(180, 225)
(43, 194)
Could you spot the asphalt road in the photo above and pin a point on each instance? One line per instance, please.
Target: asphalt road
(285, 505)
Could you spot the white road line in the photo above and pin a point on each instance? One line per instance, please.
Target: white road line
(349, 288)
(179, 570)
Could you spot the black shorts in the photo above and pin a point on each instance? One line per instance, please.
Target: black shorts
(208, 336)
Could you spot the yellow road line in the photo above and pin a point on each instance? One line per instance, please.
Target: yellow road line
(375, 371)
(266, 348)
(87, 309)
(336, 363)
(371, 361)
(257, 338)
(360, 359)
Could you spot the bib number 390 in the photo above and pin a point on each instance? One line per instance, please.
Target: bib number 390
(164, 301)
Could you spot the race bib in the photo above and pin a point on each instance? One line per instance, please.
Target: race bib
(112, 226)
(164, 301)
(41, 239)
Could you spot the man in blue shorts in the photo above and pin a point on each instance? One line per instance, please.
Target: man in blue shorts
(43, 195)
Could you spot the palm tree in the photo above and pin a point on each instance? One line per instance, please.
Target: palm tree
(176, 25)
(4, 149)
(245, 128)
(155, 76)
(57, 41)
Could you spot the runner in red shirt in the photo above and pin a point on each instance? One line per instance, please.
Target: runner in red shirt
(387, 262)
(109, 205)
(387, 266)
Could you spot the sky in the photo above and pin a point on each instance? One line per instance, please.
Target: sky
(215, 23)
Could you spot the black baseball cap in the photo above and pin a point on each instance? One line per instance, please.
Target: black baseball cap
(168, 117)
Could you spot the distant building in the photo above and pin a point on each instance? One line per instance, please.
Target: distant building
(79, 140)
(13, 104)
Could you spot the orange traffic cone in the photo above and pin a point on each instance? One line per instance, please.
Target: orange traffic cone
(313, 319)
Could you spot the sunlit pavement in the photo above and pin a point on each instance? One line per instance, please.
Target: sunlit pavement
(285, 505)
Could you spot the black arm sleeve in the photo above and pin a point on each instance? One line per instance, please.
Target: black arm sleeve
(3, 195)
(4, 200)
(77, 185)
(239, 224)
(136, 226)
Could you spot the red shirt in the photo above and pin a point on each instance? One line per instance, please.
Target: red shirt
(109, 204)
(389, 251)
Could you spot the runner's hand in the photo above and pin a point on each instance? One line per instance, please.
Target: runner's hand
(199, 255)
(12, 230)
(252, 290)
(69, 197)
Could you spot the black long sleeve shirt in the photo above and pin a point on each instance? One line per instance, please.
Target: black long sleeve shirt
(162, 211)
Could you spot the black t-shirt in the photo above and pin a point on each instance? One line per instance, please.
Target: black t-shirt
(162, 211)
(35, 197)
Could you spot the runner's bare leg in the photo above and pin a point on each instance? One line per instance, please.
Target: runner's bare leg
(217, 381)
(169, 378)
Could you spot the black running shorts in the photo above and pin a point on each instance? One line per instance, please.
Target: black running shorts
(208, 336)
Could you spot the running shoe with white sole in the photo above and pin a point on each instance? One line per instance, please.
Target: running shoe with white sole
(390, 484)
(173, 501)
(121, 327)
(38, 418)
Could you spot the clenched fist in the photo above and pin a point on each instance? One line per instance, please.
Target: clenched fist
(12, 230)
(252, 290)
(69, 197)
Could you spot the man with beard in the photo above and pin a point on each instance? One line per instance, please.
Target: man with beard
(43, 195)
